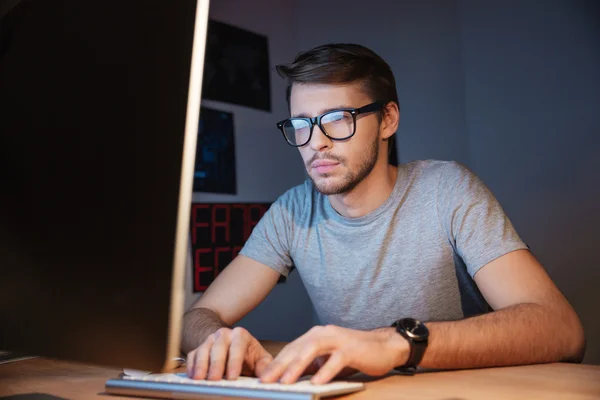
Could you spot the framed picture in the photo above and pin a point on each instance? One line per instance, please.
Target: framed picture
(214, 170)
(236, 67)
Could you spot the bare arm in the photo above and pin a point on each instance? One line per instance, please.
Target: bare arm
(198, 324)
(533, 323)
(238, 289)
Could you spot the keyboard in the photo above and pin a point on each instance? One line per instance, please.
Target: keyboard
(179, 386)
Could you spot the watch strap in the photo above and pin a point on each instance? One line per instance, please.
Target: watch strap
(417, 350)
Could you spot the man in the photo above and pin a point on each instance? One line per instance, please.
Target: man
(408, 266)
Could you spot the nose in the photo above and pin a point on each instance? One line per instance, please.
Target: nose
(319, 141)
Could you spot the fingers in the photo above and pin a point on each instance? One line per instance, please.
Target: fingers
(295, 369)
(190, 364)
(218, 354)
(330, 369)
(225, 353)
(297, 356)
(292, 364)
(257, 357)
(272, 372)
(198, 359)
(301, 356)
(262, 363)
(237, 351)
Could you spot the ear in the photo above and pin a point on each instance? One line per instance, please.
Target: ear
(390, 120)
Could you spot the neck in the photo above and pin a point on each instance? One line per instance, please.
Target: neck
(369, 194)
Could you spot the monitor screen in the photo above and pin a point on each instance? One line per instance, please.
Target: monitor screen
(99, 108)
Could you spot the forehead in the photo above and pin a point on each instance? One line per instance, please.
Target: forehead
(314, 99)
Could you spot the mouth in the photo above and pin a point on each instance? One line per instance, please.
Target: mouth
(324, 166)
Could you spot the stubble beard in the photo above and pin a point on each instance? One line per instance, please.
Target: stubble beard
(351, 179)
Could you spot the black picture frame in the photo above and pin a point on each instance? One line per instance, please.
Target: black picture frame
(236, 67)
(214, 169)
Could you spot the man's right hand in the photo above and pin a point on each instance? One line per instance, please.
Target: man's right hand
(228, 353)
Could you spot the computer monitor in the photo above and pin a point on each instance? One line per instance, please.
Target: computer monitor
(99, 108)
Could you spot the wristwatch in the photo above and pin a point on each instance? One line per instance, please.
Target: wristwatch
(417, 335)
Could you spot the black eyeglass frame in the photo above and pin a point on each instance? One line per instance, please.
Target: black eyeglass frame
(375, 106)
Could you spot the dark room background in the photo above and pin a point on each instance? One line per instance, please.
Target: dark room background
(509, 88)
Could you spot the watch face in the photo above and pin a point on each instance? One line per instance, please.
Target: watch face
(415, 328)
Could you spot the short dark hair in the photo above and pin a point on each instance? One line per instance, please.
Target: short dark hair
(341, 63)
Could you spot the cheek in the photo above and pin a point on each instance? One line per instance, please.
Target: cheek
(304, 154)
(357, 152)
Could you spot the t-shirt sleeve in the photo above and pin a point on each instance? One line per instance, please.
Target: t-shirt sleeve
(474, 222)
(268, 242)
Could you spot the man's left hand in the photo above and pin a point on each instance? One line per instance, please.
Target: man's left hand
(327, 350)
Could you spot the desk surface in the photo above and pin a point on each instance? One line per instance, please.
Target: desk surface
(65, 380)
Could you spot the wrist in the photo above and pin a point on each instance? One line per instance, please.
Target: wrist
(416, 335)
(398, 346)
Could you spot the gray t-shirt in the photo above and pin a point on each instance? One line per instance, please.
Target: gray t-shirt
(414, 256)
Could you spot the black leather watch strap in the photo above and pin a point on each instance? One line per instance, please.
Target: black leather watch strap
(417, 349)
(418, 343)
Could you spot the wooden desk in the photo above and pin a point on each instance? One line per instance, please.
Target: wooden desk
(65, 380)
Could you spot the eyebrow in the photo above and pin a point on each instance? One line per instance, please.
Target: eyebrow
(322, 111)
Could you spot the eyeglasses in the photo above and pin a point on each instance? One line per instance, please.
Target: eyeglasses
(335, 124)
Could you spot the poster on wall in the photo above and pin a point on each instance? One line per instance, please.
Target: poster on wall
(218, 233)
(214, 170)
(236, 67)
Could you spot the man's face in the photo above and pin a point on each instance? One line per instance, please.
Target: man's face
(336, 167)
